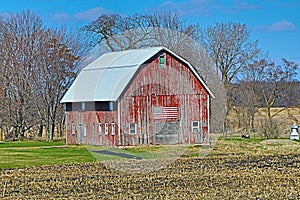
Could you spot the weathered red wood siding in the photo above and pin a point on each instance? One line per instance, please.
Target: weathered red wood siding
(173, 86)
(92, 120)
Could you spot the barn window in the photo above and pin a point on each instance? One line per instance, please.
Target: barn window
(110, 106)
(162, 61)
(104, 106)
(82, 129)
(68, 107)
(106, 128)
(195, 127)
(99, 128)
(83, 106)
(94, 128)
(112, 128)
(132, 128)
(73, 128)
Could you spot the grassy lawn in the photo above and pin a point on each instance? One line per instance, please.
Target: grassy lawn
(33, 153)
(31, 144)
(38, 153)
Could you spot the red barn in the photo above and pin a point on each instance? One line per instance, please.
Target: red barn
(135, 97)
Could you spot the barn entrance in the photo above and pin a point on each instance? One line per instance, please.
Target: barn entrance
(81, 133)
(166, 123)
(166, 132)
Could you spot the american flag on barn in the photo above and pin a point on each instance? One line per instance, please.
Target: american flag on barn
(165, 112)
(134, 97)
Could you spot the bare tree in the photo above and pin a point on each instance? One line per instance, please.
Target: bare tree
(55, 74)
(37, 66)
(120, 32)
(246, 101)
(268, 82)
(231, 49)
(18, 44)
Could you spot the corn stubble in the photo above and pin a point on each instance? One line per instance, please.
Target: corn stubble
(218, 177)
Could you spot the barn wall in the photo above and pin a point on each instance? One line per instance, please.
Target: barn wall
(92, 128)
(172, 87)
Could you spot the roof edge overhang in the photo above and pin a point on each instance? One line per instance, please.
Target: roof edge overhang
(159, 49)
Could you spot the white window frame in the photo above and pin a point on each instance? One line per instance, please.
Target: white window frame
(82, 127)
(83, 106)
(106, 128)
(162, 65)
(84, 130)
(110, 106)
(113, 129)
(197, 127)
(99, 128)
(132, 131)
(73, 130)
(94, 128)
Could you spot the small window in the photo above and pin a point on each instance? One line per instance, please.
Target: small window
(82, 129)
(112, 128)
(162, 61)
(106, 128)
(83, 106)
(73, 128)
(99, 128)
(68, 107)
(195, 127)
(104, 105)
(110, 106)
(94, 128)
(132, 128)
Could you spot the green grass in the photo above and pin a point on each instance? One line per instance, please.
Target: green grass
(38, 153)
(28, 153)
(31, 144)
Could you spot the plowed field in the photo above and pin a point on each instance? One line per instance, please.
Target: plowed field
(216, 177)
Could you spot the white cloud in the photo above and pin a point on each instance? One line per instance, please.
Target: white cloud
(60, 17)
(191, 7)
(238, 6)
(208, 7)
(279, 26)
(91, 14)
(84, 16)
(282, 26)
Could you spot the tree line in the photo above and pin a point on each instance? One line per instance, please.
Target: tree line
(39, 64)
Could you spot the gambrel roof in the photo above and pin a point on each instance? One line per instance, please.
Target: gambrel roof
(107, 77)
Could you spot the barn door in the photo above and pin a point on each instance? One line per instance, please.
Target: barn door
(81, 133)
(166, 132)
(165, 110)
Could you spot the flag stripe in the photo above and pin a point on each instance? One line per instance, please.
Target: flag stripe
(167, 113)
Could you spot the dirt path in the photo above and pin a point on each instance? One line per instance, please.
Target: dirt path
(123, 155)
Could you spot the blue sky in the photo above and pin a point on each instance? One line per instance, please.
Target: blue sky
(275, 24)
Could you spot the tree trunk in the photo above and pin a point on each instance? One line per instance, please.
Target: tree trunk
(41, 131)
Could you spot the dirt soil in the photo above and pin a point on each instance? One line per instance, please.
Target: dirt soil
(218, 177)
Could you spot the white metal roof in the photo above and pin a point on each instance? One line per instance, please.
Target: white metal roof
(106, 78)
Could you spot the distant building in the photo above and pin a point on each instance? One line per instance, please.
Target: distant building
(135, 97)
